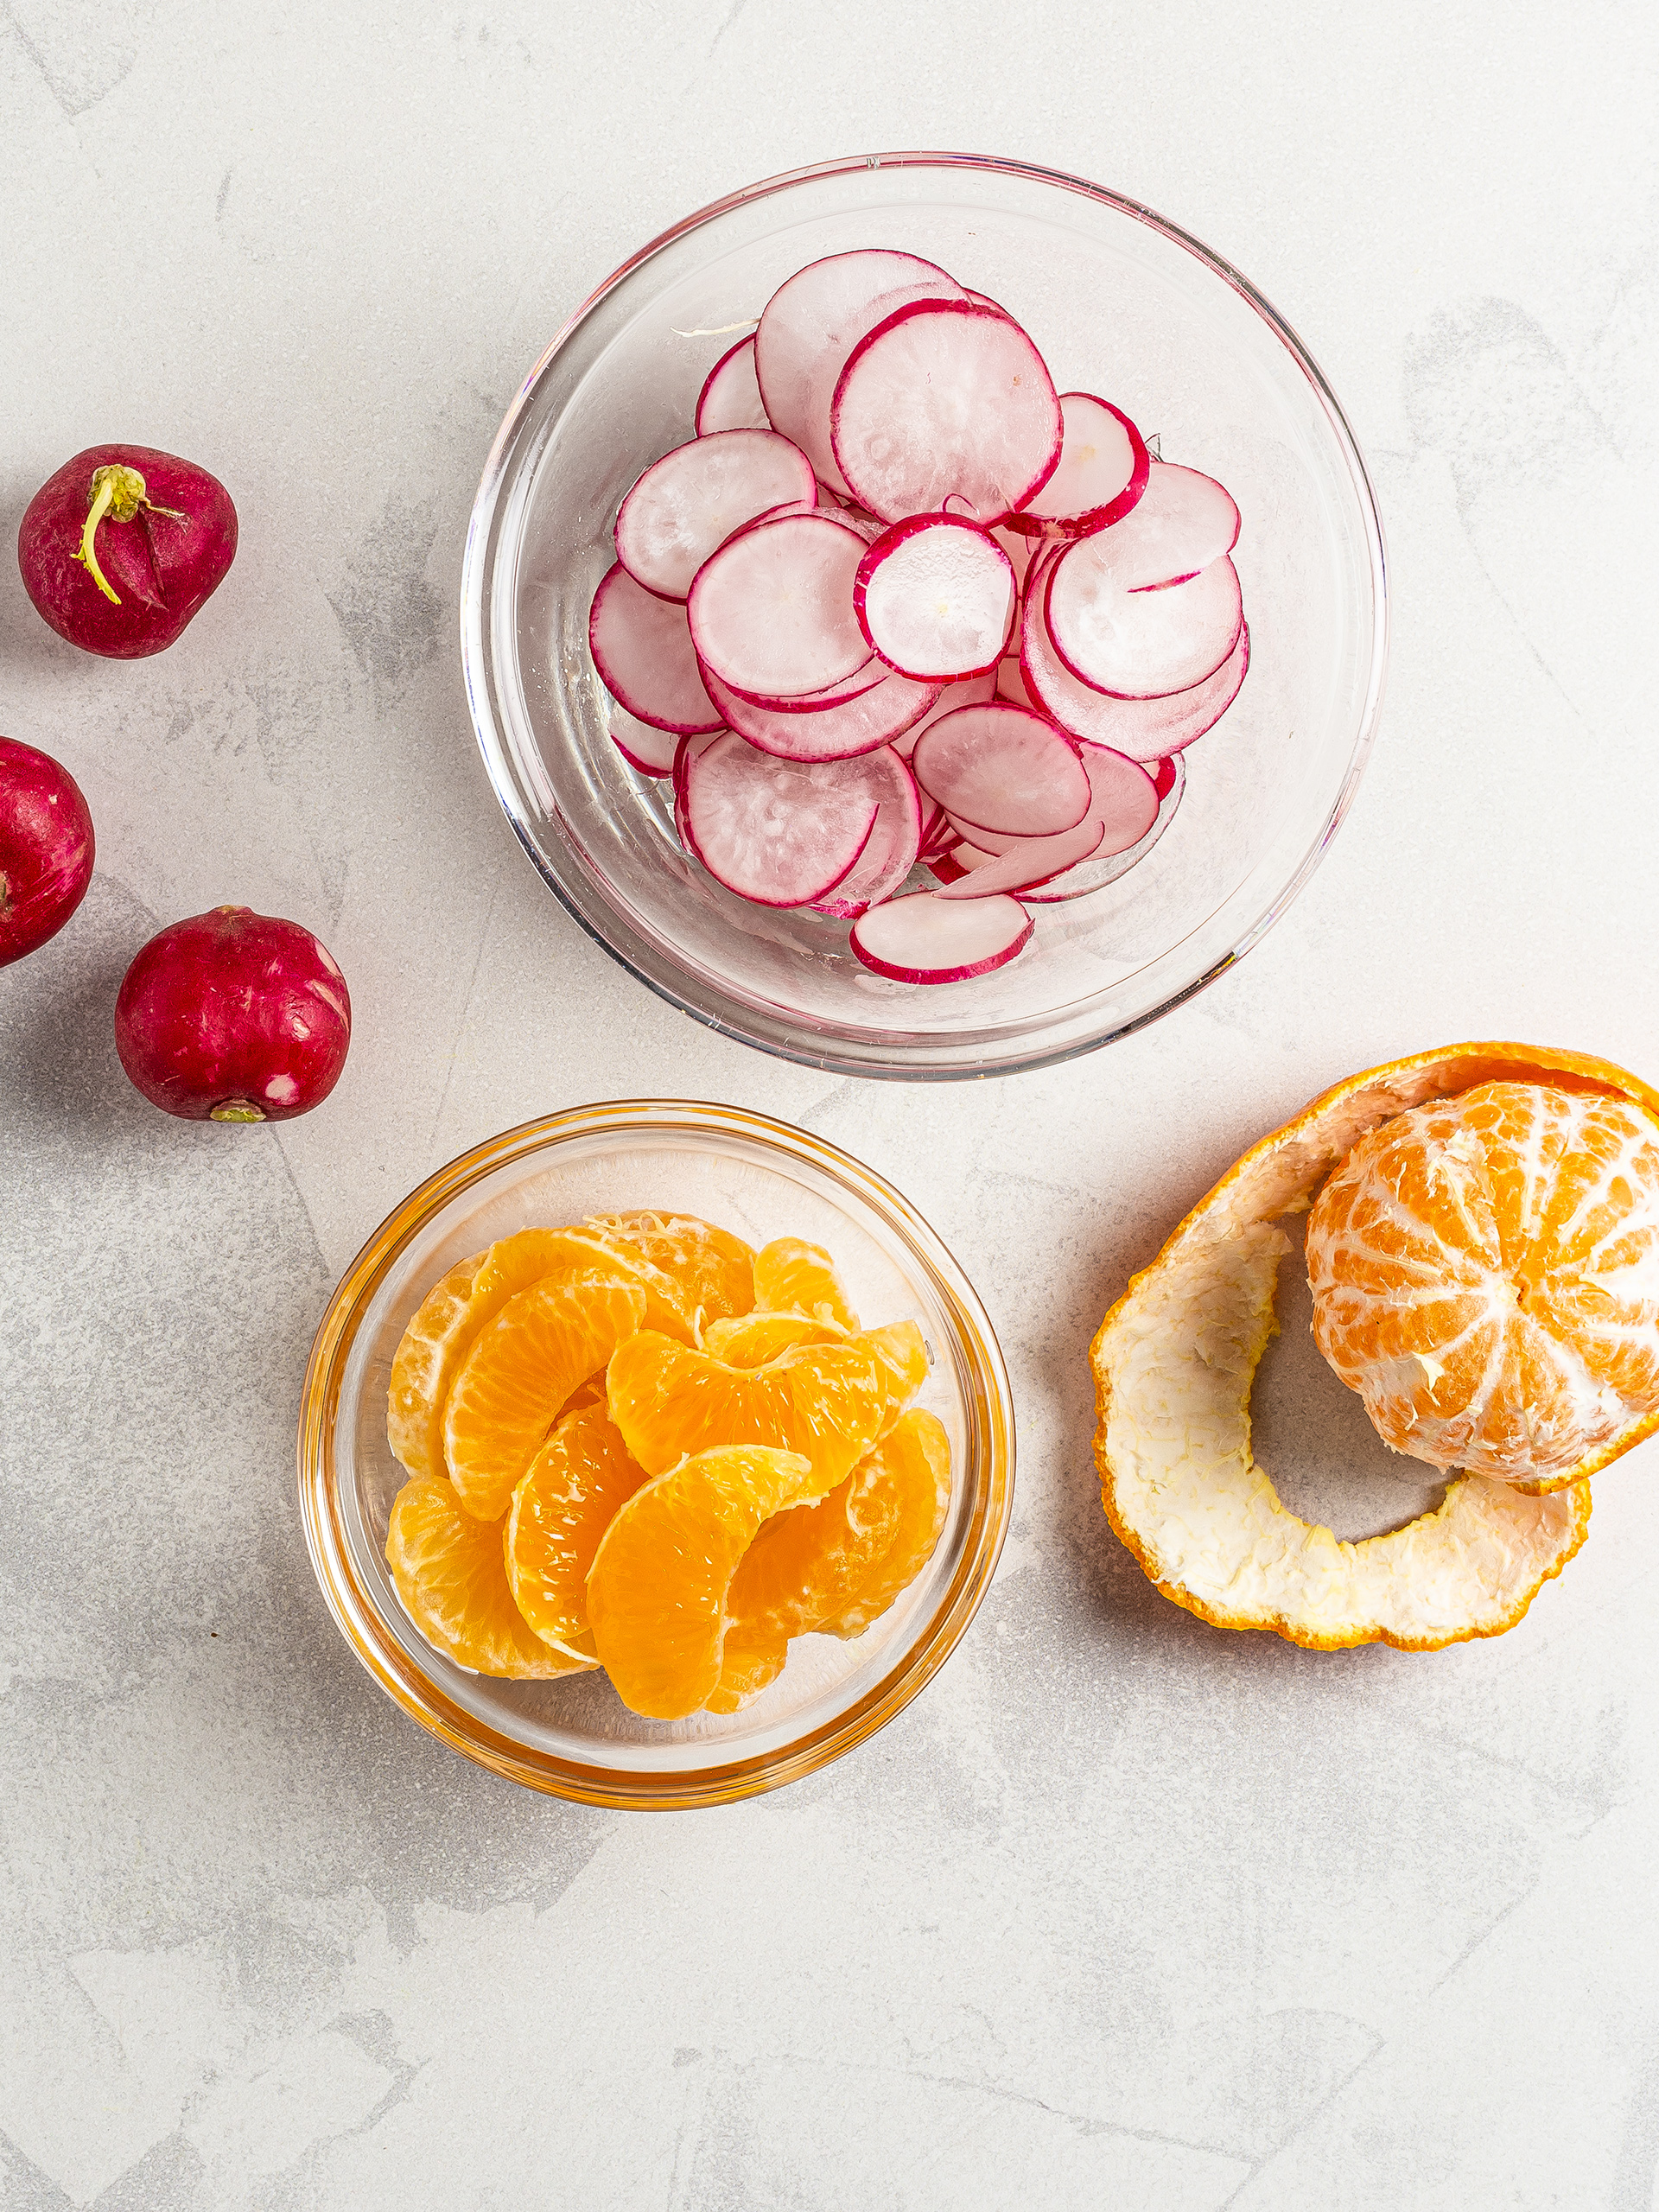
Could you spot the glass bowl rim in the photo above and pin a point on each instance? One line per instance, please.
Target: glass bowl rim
(356, 1614)
(478, 567)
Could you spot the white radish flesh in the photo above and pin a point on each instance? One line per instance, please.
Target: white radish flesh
(971, 691)
(1181, 524)
(642, 648)
(946, 400)
(649, 750)
(809, 326)
(1012, 686)
(1145, 729)
(1095, 873)
(1101, 474)
(1026, 862)
(890, 851)
(1004, 769)
(782, 833)
(771, 611)
(730, 398)
(875, 717)
(1140, 644)
(935, 597)
(689, 503)
(926, 938)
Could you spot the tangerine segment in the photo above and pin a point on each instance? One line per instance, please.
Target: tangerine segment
(751, 1339)
(575, 1485)
(1174, 1361)
(828, 1401)
(656, 1591)
(1486, 1273)
(900, 1350)
(714, 1270)
(806, 1562)
(448, 1571)
(524, 1367)
(792, 1276)
(909, 1467)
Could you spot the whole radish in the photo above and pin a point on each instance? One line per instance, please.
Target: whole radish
(234, 1016)
(123, 546)
(45, 848)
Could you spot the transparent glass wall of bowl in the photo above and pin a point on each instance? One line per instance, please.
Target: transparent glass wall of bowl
(1119, 305)
(741, 1179)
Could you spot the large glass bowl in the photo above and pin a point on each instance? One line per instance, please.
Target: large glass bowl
(761, 1178)
(1120, 303)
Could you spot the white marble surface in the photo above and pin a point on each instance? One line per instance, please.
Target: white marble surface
(1124, 1912)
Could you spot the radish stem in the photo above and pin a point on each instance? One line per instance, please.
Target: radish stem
(118, 493)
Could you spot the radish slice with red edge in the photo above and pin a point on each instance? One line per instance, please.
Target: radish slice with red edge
(782, 833)
(946, 400)
(970, 691)
(1101, 475)
(927, 938)
(771, 611)
(1145, 729)
(1181, 523)
(935, 597)
(1002, 769)
(1012, 686)
(688, 504)
(890, 852)
(867, 678)
(858, 725)
(649, 750)
(809, 326)
(1105, 868)
(642, 648)
(1025, 863)
(730, 398)
(1140, 644)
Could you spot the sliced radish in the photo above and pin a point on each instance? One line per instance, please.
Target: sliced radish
(689, 503)
(1101, 474)
(863, 679)
(811, 325)
(1095, 875)
(875, 717)
(688, 750)
(771, 611)
(890, 851)
(1021, 549)
(1012, 686)
(935, 597)
(1026, 862)
(945, 399)
(1166, 774)
(642, 648)
(927, 938)
(730, 398)
(1002, 769)
(782, 833)
(650, 750)
(1145, 729)
(1182, 522)
(1140, 644)
(971, 691)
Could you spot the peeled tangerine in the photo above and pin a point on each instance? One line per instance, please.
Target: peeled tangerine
(1484, 1261)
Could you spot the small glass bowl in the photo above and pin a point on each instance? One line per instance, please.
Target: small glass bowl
(1122, 303)
(761, 1178)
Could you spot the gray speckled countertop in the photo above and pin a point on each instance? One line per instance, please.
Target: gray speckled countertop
(1125, 1911)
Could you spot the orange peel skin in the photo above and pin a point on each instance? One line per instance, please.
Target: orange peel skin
(1174, 1361)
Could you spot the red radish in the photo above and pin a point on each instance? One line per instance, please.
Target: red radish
(1020, 548)
(689, 503)
(970, 691)
(935, 597)
(1025, 862)
(945, 399)
(46, 848)
(1181, 523)
(1002, 769)
(926, 938)
(686, 751)
(809, 326)
(1145, 729)
(730, 398)
(1165, 775)
(879, 716)
(233, 1016)
(649, 750)
(1106, 867)
(890, 853)
(123, 546)
(1101, 474)
(782, 833)
(1012, 686)
(771, 611)
(867, 678)
(642, 648)
(1140, 644)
